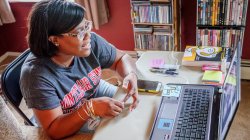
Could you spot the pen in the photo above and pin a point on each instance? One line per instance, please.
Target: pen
(171, 73)
(165, 71)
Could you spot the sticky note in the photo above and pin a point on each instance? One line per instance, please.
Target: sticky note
(212, 76)
(157, 63)
(171, 91)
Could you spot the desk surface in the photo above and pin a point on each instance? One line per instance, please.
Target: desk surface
(137, 124)
(187, 75)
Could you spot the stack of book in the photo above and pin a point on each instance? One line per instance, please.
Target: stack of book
(205, 55)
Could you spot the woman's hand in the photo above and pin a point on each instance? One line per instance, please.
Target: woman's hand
(107, 107)
(130, 83)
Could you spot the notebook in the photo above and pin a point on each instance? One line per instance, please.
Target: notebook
(205, 55)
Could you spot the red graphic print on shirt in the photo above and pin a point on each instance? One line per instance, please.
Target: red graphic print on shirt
(78, 90)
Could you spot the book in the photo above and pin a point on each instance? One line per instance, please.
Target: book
(205, 55)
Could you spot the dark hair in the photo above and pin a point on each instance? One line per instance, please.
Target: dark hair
(51, 17)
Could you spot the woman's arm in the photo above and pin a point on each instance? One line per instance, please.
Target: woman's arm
(58, 125)
(123, 63)
(126, 67)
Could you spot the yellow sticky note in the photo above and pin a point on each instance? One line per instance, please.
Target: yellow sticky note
(212, 76)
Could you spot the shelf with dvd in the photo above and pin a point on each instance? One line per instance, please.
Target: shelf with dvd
(158, 24)
(221, 12)
(221, 22)
(153, 24)
(219, 26)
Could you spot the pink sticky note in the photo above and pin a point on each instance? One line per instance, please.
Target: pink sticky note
(157, 63)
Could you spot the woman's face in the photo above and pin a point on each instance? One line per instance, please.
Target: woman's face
(77, 41)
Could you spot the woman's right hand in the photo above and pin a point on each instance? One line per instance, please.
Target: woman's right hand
(107, 107)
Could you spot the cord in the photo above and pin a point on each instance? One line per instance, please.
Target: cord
(182, 77)
(176, 63)
(176, 76)
(174, 58)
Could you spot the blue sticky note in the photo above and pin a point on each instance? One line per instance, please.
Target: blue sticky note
(166, 124)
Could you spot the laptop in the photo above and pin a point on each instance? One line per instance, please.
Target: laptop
(190, 111)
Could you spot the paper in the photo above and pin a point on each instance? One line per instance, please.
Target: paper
(157, 63)
(171, 91)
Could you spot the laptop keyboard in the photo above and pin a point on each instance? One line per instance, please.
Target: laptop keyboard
(192, 122)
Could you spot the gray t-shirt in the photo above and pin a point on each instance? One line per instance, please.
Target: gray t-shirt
(45, 85)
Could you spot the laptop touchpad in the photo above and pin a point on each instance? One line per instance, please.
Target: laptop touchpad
(169, 110)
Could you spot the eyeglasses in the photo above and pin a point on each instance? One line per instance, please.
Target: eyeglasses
(82, 33)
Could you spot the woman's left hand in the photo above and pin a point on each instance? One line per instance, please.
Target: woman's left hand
(130, 83)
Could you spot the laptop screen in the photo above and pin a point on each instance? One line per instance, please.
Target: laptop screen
(230, 95)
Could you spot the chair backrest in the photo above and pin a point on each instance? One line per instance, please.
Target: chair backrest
(10, 84)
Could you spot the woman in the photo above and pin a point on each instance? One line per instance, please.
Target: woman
(60, 79)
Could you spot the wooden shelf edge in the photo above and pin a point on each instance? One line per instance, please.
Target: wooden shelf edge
(158, 24)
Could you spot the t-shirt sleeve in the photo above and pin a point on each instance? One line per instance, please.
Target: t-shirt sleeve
(37, 91)
(104, 51)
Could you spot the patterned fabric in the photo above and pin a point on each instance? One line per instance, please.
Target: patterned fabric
(9, 126)
(11, 129)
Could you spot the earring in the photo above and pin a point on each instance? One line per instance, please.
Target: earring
(56, 44)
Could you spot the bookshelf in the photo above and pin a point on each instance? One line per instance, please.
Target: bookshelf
(221, 23)
(154, 25)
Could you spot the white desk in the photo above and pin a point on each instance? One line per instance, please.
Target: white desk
(190, 75)
(137, 124)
